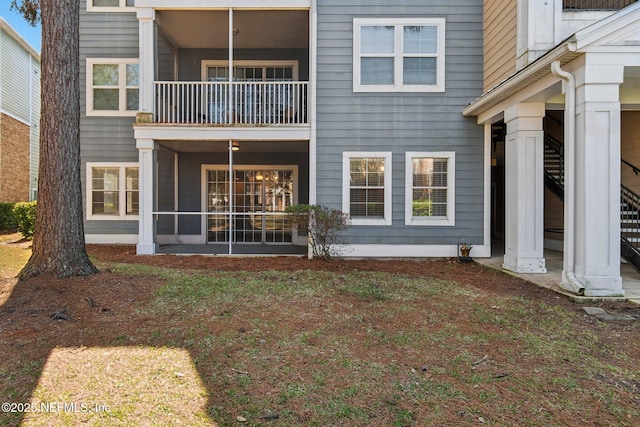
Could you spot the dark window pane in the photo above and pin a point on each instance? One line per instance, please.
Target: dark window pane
(419, 71)
(376, 71)
(105, 99)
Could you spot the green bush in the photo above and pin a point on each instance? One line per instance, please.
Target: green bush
(25, 217)
(322, 225)
(7, 220)
(422, 208)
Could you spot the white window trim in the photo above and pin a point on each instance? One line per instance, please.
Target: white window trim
(222, 63)
(399, 24)
(450, 219)
(346, 180)
(122, 8)
(121, 191)
(122, 98)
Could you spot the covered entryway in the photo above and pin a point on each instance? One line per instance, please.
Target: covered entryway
(585, 84)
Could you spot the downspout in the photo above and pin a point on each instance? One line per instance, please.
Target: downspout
(569, 279)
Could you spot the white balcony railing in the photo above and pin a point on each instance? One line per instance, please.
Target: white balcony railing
(224, 103)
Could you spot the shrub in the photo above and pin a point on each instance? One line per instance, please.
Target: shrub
(25, 217)
(7, 220)
(422, 208)
(322, 225)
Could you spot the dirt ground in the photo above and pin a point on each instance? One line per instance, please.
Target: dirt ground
(464, 273)
(105, 303)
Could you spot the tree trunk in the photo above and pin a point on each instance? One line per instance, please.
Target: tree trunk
(58, 244)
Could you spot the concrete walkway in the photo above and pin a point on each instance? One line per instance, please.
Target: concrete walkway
(551, 280)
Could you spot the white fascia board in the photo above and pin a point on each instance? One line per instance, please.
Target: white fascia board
(201, 133)
(111, 239)
(510, 86)
(496, 112)
(225, 4)
(621, 21)
(5, 26)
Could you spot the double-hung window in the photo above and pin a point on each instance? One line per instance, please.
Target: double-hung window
(110, 5)
(113, 87)
(112, 191)
(366, 194)
(430, 188)
(398, 55)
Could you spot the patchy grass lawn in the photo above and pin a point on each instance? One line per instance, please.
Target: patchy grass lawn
(290, 342)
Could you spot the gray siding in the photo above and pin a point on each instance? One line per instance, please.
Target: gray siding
(346, 121)
(165, 67)
(401, 122)
(106, 139)
(166, 189)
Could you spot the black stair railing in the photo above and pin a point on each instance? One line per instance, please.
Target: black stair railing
(554, 165)
(629, 200)
(630, 226)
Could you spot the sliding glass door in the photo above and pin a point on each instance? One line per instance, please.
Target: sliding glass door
(252, 210)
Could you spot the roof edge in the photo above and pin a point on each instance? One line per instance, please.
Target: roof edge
(5, 26)
(495, 95)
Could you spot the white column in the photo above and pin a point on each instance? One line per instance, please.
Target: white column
(524, 188)
(146, 187)
(146, 48)
(597, 177)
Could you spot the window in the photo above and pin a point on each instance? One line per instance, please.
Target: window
(112, 191)
(112, 87)
(430, 188)
(250, 71)
(398, 55)
(110, 5)
(366, 192)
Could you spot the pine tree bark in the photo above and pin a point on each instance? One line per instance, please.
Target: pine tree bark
(58, 244)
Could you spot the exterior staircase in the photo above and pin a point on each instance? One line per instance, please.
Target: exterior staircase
(629, 201)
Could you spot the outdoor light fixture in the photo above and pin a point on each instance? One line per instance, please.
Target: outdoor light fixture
(235, 146)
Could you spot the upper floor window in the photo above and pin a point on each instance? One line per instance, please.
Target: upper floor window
(112, 87)
(110, 5)
(398, 55)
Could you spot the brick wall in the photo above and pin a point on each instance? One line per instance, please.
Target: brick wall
(14, 160)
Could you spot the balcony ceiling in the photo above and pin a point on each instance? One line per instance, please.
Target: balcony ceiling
(256, 29)
(245, 146)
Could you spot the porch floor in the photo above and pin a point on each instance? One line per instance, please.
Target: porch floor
(551, 280)
(243, 249)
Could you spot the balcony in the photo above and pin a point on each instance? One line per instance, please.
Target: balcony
(240, 67)
(237, 103)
